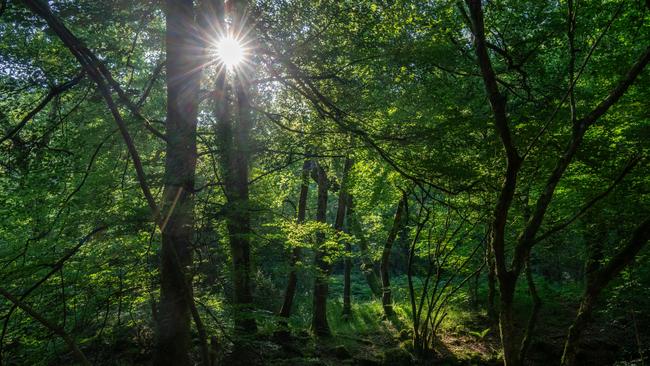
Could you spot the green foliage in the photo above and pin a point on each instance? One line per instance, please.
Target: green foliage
(392, 85)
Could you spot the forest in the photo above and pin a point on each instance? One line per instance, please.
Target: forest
(323, 182)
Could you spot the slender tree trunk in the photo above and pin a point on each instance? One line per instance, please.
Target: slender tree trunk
(239, 226)
(339, 226)
(347, 272)
(474, 290)
(386, 298)
(507, 277)
(579, 324)
(319, 323)
(368, 267)
(290, 292)
(183, 76)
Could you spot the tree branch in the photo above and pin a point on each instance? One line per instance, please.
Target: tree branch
(527, 238)
(91, 65)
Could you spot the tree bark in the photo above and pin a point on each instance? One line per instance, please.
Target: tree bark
(339, 227)
(290, 292)
(507, 327)
(233, 137)
(239, 226)
(183, 77)
(319, 323)
(386, 299)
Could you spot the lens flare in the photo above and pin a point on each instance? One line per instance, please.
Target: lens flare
(230, 52)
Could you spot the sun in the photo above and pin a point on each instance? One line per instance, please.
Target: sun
(230, 52)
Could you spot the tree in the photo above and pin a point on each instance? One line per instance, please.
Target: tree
(386, 299)
(322, 258)
(182, 78)
(290, 291)
(156, 162)
(507, 277)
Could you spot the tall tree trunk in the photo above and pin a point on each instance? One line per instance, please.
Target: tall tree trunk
(234, 145)
(290, 292)
(319, 323)
(347, 282)
(507, 327)
(368, 267)
(239, 223)
(339, 226)
(473, 288)
(384, 268)
(183, 77)
(597, 279)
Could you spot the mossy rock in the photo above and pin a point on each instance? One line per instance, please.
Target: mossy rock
(397, 357)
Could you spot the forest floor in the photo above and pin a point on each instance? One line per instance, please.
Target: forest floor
(387, 346)
(467, 336)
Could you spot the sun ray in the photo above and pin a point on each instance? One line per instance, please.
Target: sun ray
(230, 52)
